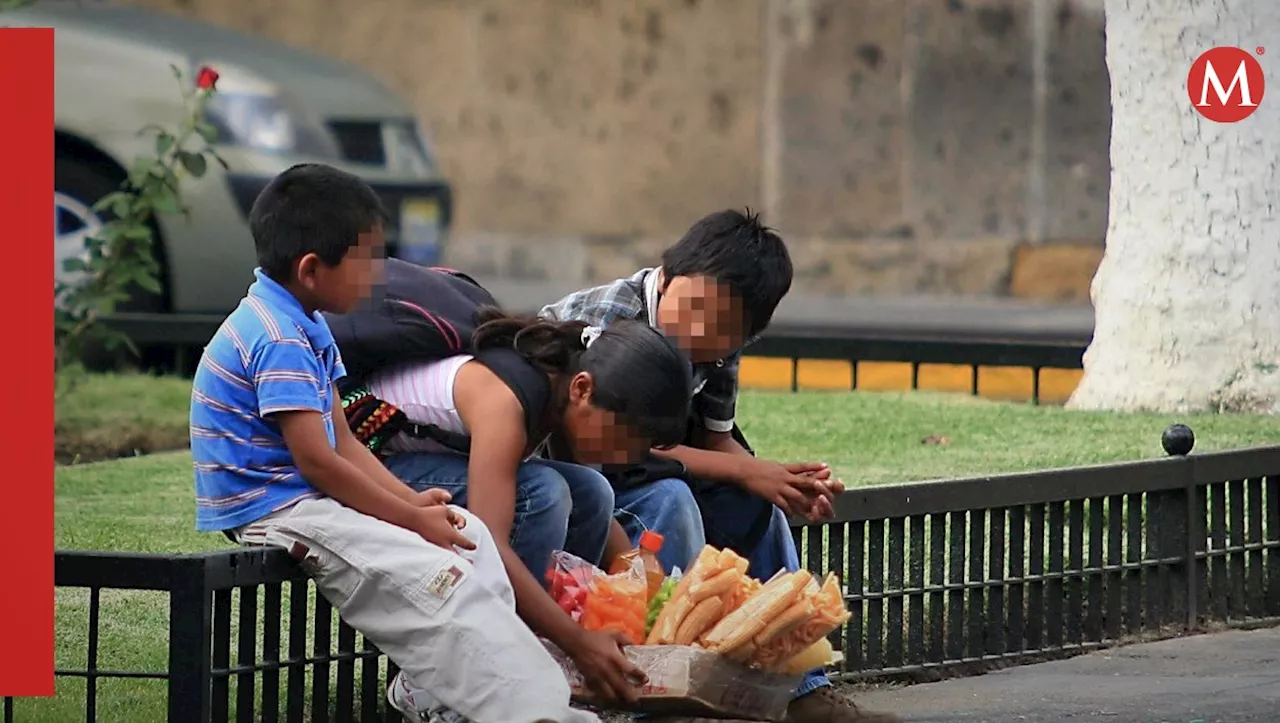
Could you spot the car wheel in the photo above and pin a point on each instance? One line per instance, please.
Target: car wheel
(77, 187)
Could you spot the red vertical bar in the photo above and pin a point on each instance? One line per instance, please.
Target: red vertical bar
(26, 300)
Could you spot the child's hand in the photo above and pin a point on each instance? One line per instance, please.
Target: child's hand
(822, 507)
(605, 668)
(440, 525)
(431, 497)
(803, 489)
(818, 471)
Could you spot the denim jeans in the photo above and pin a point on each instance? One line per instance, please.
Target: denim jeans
(669, 508)
(559, 506)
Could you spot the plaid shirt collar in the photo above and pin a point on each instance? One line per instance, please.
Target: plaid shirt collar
(650, 294)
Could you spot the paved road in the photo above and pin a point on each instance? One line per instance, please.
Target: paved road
(961, 319)
(1228, 677)
(967, 317)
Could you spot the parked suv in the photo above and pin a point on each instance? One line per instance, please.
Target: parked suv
(275, 107)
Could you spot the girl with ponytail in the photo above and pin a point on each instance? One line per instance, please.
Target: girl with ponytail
(480, 420)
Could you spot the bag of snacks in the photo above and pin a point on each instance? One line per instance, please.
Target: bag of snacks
(569, 580)
(618, 602)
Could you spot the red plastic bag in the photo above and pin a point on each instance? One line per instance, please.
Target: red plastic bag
(569, 580)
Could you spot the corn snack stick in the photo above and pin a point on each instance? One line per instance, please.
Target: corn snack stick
(664, 629)
(700, 618)
(788, 620)
(744, 623)
(716, 586)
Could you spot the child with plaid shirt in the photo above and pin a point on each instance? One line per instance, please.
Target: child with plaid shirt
(715, 292)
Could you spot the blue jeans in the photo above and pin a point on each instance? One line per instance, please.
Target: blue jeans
(559, 506)
(669, 508)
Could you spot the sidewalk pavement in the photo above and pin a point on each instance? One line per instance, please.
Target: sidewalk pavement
(1226, 677)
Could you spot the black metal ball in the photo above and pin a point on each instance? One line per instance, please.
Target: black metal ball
(1178, 439)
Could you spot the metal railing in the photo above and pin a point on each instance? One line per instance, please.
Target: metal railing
(1018, 567)
(249, 640)
(187, 334)
(940, 576)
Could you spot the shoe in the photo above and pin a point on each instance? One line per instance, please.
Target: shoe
(418, 706)
(825, 705)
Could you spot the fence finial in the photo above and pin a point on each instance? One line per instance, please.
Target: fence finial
(1177, 440)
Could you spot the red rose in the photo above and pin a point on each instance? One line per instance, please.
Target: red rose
(206, 78)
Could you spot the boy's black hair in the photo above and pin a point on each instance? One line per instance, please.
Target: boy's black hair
(735, 249)
(311, 208)
(639, 374)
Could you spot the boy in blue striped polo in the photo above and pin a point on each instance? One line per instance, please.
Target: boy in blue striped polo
(276, 464)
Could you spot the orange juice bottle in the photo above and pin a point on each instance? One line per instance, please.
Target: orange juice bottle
(650, 543)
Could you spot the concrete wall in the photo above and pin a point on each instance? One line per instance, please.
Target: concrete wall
(902, 146)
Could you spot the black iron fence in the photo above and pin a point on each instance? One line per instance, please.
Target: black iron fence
(951, 574)
(248, 639)
(187, 334)
(940, 576)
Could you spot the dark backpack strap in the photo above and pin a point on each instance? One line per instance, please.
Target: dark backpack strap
(453, 440)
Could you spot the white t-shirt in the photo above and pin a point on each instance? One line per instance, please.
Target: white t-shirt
(424, 392)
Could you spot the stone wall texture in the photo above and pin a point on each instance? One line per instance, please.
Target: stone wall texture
(901, 146)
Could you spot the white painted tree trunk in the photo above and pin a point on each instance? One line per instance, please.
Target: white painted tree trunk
(1187, 296)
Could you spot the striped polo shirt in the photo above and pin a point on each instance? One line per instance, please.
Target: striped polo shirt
(268, 356)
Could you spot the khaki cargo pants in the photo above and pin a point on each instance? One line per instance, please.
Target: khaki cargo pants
(446, 618)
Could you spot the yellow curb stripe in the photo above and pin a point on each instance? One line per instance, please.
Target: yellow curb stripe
(1005, 383)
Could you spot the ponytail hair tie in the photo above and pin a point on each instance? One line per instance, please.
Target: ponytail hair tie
(589, 336)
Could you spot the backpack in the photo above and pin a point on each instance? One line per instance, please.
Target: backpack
(422, 314)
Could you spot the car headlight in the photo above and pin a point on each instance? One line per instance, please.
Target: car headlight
(250, 112)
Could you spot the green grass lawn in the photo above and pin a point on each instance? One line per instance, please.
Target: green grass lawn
(876, 438)
(107, 416)
(869, 438)
(144, 504)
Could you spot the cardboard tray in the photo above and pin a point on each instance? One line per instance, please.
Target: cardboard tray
(688, 681)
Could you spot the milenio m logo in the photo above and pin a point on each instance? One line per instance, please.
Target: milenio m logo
(1226, 84)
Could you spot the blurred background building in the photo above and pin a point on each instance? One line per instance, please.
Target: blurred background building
(953, 147)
